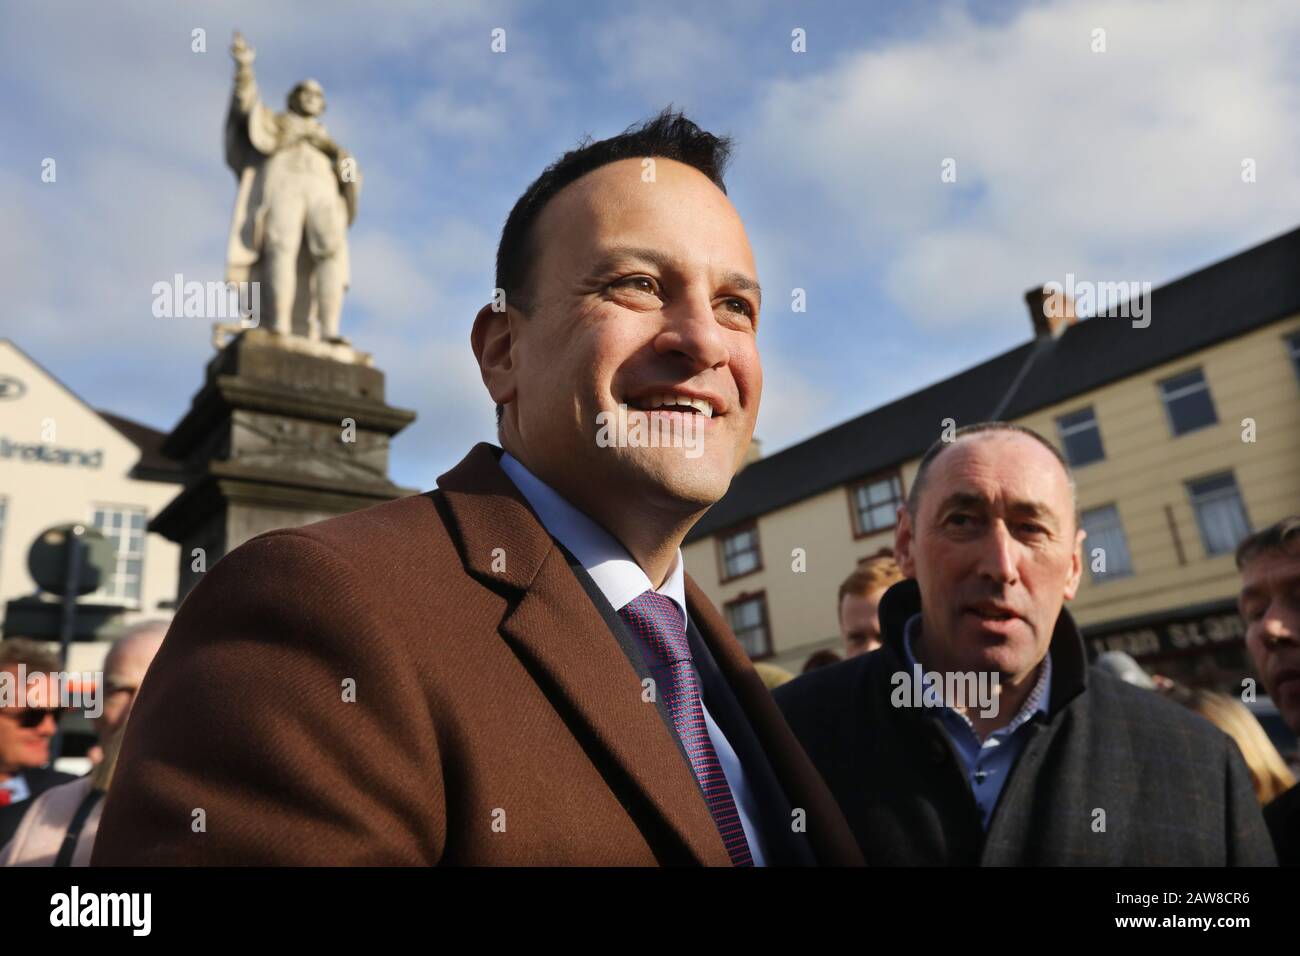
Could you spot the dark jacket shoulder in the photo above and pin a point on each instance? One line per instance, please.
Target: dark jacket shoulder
(1283, 818)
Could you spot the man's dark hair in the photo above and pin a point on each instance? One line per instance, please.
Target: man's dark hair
(1282, 537)
(670, 135)
(35, 655)
(937, 449)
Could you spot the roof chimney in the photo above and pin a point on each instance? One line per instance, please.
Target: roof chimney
(1050, 310)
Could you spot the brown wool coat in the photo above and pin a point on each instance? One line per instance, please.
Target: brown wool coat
(482, 697)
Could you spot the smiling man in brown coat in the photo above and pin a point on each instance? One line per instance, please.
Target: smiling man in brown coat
(536, 680)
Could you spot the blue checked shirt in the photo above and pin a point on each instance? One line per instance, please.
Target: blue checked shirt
(987, 763)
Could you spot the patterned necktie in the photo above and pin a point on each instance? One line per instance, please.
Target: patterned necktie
(656, 621)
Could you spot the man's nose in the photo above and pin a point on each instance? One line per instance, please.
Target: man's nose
(1280, 626)
(998, 555)
(691, 329)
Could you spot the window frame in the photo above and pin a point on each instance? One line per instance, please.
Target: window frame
(761, 597)
(1292, 343)
(852, 488)
(1196, 513)
(1108, 576)
(721, 550)
(1062, 434)
(119, 557)
(1165, 401)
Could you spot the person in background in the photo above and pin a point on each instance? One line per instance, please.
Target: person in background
(859, 602)
(1269, 562)
(1123, 666)
(1268, 771)
(59, 828)
(27, 725)
(823, 658)
(772, 676)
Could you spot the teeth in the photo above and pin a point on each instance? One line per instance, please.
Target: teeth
(699, 404)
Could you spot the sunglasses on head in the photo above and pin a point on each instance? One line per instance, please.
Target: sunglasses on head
(30, 718)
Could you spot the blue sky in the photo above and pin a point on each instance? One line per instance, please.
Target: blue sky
(1116, 165)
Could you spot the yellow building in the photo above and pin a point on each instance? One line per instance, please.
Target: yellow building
(1182, 428)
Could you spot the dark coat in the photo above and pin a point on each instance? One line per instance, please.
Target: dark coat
(496, 720)
(38, 781)
(1283, 818)
(1174, 789)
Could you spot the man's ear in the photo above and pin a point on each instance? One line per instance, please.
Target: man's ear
(492, 340)
(1076, 566)
(903, 542)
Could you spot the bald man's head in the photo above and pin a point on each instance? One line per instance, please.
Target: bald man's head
(124, 670)
(989, 430)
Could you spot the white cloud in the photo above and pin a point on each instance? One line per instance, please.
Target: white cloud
(1068, 160)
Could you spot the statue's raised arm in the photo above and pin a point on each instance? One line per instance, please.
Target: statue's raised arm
(297, 193)
(245, 84)
(250, 124)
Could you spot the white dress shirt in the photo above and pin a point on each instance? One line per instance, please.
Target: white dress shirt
(621, 580)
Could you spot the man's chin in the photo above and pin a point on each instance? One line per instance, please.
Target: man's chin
(1005, 653)
(672, 475)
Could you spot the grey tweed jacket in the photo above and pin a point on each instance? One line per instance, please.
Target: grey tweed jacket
(1173, 789)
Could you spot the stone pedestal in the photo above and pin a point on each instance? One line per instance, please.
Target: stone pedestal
(284, 432)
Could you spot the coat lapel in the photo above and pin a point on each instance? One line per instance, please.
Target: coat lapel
(560, 635)
(829, 834)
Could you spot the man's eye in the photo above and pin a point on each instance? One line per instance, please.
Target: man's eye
(959, 519)
(739, 306)
(639, 284)
(1030, 528)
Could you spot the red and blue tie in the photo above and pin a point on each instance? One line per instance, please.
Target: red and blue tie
(657, 622)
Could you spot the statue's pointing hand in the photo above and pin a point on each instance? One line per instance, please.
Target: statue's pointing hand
(241, 51)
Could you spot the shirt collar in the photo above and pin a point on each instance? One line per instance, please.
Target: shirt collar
(1038, 700)
(619, 577)
(17, 787)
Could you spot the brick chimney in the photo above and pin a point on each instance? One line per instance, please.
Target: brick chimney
(1051, 311)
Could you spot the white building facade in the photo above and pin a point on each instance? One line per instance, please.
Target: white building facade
(62, 462)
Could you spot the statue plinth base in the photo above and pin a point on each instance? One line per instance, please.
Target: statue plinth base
(285, 431)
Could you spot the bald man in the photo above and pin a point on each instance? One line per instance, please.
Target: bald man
(978, 734)
(124, 669)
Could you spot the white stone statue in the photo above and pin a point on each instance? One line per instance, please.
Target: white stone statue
(297, 197)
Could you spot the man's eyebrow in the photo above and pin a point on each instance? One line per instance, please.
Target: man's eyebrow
(618, 254)
(1025, 508)
(1033, 509)
(739, 280)
(963, 499)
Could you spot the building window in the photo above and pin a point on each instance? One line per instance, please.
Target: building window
(1220, 512)
(1105, 548)
(1293, 347)
(1187, 402)
(748, 620)
(740, 553)
(875, 504)
(1080, 437)
(124, 527)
